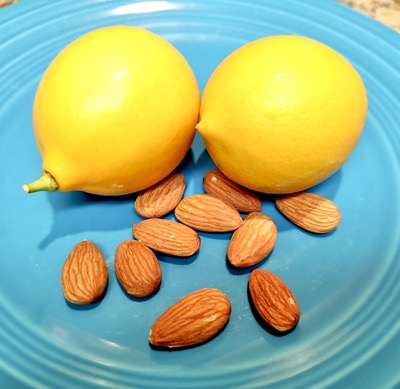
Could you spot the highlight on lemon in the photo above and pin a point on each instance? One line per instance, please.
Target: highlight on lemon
(114, 113)
(282, 113)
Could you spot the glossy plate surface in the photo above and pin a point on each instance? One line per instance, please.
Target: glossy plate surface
(347, 282)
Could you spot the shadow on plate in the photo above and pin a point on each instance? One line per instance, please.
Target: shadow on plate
(327, 188)
(174, 260)
(79, 212)
(138, 299)
(240, 271)
(174, 349)
(263, 324)
(87, 307)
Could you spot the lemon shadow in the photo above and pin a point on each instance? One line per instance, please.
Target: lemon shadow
(328, 188)
(79, 212)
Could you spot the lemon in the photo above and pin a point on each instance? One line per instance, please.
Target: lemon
(282, 113)
(114, 113)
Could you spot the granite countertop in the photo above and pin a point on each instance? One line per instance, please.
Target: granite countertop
(385, 11)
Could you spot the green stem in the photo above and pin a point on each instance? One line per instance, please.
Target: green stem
(45, 182)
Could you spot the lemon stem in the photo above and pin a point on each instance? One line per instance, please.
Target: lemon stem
(45, 183)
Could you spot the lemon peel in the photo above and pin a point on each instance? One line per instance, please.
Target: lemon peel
(282, 113)
(114, 113)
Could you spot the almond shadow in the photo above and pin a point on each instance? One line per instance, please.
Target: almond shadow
(87, 307)
(175, 349)
(262, 323)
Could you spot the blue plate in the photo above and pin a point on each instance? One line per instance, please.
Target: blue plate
(346, 282)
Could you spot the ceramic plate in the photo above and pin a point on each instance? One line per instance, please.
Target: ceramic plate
(346, 282)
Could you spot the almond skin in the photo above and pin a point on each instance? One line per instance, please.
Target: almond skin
(217, 184)
(253, 241)
(167, 237)
(137, 268)
(194, 319)
(84, 275)
(310, 211)
(273, 300)
(208, 213)
(161, 198)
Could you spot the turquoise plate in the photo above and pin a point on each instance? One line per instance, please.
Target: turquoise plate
(346, 282)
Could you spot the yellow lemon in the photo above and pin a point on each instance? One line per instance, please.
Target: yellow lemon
(282, 113)
(114, 113)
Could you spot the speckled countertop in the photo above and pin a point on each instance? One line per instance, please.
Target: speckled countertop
(385, 11)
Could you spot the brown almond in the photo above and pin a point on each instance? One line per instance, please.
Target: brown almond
(273, 300)
(253, 241)
(208, 213)
(167, 236)
(84, 275)
(194, 319)
(137, 268)
(217, 184)
(161, 198)
(309, 211)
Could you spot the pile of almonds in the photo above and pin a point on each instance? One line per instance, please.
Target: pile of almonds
(202, 314)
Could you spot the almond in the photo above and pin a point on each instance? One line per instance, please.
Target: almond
(194, 319)
(161, 198)
(167, 236)
(273, 300)
(244, 200)
(253, 241)
(309, 211)
(137, 268)
(84, 275)
(208, 213)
